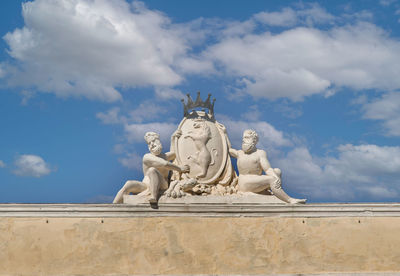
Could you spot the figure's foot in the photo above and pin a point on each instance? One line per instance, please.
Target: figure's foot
(119, 198)
(297, 201)
(152, 200)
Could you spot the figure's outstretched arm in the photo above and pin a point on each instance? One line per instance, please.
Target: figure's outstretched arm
(182, 169)
(156, 162)
(233, 152)
(170, 155)
(172, 152)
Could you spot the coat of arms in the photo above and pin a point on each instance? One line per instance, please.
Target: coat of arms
(203, 144)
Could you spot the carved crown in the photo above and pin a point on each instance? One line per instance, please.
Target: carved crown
(190, 104)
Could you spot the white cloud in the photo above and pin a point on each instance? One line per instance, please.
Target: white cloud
(147, 110)
(168, 93)
(132, 161)
(287, 17)
(96, 48)
(26, 96)
(288, 110)
(253, 114)
(386, 2)
(2, 70)
(2, 164)
(303, 61)
(110, 117)
(315, 14)
(90, 48)
(358, 171)
(235, 28)
(385, 109)
(135, 132)
(269, 136)
(31, 165)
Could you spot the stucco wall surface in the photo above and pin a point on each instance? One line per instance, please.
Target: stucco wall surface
(197, 245)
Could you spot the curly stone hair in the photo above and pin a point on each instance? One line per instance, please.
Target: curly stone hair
(149, 136)
(253, 135)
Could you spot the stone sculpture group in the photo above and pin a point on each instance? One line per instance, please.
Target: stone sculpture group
(199, 159)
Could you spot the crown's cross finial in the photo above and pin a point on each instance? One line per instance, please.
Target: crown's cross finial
(190, 105)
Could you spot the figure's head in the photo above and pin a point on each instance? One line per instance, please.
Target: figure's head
(250, 139)
(153, 142)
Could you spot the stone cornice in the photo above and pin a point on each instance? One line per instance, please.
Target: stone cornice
(201, 210)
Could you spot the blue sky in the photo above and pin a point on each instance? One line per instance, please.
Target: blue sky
(81, 81)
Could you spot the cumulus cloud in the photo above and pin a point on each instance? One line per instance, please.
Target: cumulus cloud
(135, 132)
(147, 110)
(386, 2)
(91, 48)
(168, 93)
(269, 136)
(26, 96)
(132, 161)
(2, 70)
(110, 117)
(2, 164)
(385, 109)
(285, 17)
(304, 61)
(31, 165)
(358, 171)
(96, 49)
(311, 14)
(253, 114)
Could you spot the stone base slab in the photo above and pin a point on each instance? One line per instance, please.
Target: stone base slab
(245, 198)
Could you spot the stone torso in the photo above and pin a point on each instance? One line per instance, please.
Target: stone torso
(249, 163)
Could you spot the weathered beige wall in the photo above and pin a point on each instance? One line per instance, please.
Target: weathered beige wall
(202, 245)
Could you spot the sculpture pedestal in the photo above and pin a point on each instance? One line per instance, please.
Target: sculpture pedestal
(244, 198)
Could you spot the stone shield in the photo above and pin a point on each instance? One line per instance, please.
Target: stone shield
(203, 146)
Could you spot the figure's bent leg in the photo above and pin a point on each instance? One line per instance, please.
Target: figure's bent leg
(278, 172)
(131, 186)
(253, 183)
(155, 182)
(276, 188)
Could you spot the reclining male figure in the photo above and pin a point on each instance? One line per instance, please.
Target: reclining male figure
(251, 163)
(156, 167)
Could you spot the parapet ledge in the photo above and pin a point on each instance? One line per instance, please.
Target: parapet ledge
(202, 210)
